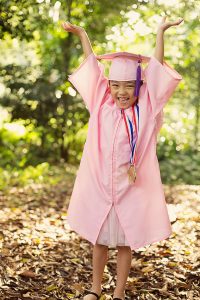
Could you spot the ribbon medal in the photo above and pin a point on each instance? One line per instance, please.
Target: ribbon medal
(132, 136)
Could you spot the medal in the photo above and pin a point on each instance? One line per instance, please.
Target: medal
(132, 140)
(131, 174)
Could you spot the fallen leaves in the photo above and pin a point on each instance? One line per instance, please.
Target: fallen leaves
(28, 274)
(41, 258)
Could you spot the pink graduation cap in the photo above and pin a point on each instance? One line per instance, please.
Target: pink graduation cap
(126, 67)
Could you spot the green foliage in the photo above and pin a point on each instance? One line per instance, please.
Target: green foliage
(47, 118)
(178, 166)
(19, 19)
(43, 173)
(181, 168)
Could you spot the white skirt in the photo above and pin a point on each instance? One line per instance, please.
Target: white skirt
(111, 233)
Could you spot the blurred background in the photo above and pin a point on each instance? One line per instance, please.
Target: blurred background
(43, 121)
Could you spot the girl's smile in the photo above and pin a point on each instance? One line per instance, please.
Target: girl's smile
(123, 93)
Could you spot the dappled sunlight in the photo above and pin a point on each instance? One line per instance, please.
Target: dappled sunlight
(16, 129)
(71, 91)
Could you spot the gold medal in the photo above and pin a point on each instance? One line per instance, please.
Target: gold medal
(132, 174)
(129, 128)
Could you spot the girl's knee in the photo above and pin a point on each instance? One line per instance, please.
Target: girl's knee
(128, 248)
(101, 246)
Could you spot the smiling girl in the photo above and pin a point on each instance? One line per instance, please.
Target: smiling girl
(123, 93)
(118, 199)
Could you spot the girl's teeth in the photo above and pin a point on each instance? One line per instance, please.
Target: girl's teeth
(123, 99)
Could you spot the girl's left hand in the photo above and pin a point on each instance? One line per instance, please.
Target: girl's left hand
(165, 25)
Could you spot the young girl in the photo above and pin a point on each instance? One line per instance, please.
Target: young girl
(118, 199)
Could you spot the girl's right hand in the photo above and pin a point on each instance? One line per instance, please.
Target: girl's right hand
(67, 26)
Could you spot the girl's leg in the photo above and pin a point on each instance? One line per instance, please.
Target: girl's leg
(99, 259)
(124, 257)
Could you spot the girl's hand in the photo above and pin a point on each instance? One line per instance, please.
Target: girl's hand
(67, 26)
(165, 25)
(86, 45)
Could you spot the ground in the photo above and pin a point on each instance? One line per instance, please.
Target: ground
(42, 259)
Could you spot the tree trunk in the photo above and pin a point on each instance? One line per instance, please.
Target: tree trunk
(66, 46)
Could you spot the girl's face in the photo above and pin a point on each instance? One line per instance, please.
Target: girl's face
(123, 93)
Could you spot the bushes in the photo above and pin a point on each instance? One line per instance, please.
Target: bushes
(21, 161)
(181, 168)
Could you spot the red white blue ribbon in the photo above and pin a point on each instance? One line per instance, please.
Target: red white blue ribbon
(132, 128)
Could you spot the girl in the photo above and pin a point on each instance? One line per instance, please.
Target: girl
(118, 199)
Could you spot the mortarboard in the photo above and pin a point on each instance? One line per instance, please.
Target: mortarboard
(125, 67)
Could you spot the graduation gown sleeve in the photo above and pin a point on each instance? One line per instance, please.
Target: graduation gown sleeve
(90, 82)
(161, 82)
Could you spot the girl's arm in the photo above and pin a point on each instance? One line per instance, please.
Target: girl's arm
(159, 49)
(81, 33)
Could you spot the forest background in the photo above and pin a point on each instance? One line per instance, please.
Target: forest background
(43, 121)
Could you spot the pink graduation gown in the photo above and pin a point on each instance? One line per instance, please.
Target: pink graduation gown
(102, 179)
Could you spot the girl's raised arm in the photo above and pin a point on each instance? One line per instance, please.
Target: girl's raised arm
(81, 33)
(159, 49)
